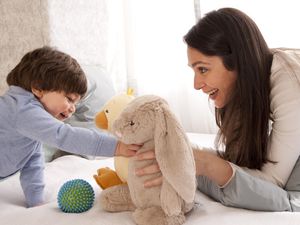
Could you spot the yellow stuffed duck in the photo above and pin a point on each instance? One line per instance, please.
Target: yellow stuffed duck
(107, 177)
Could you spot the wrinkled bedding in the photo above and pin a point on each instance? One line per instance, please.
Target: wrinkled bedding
(57, 172)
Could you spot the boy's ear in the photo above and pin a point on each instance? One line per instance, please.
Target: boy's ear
(37, 92)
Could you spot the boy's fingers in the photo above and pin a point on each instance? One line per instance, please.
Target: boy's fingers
(131, 153)
(134, 147)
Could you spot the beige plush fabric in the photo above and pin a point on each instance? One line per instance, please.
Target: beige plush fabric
(148, 119)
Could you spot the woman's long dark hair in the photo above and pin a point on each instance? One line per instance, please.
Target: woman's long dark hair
(244, 121)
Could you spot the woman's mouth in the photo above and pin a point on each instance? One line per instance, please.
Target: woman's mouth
(213, 94)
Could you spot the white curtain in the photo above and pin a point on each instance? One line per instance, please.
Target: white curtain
(277, 20)
(155, 57)
(153, 53)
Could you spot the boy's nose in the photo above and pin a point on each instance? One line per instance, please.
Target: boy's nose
(72, 108)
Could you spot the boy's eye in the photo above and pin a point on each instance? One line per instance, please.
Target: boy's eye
(69, 99)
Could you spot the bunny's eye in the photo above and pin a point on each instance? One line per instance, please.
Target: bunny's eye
(107, 111)
(131, 123)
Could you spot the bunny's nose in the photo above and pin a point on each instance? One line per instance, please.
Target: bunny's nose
(119, 135)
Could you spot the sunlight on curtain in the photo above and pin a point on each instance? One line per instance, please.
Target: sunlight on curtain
(157, 61)
(277, 20)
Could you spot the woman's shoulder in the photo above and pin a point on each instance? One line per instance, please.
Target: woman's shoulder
(285, 78)
(286, 63)
(286, 59)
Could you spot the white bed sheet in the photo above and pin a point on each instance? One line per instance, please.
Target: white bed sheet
(208, 212)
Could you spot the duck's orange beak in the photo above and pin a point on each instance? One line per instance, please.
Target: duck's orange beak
(101, 120)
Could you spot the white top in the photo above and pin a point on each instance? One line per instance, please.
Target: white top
(284, 142)
(284, 139)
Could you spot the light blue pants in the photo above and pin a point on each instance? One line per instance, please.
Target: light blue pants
(248, 192)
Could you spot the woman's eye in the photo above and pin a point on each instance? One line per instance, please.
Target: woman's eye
(202, 69)
(131, 123)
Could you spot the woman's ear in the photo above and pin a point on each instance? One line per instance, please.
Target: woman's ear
(37, 92)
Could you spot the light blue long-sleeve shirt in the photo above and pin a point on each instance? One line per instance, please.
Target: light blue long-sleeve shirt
(25, 125)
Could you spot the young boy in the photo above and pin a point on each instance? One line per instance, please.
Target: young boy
(44, 89)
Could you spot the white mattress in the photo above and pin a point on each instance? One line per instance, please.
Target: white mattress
(208, 212)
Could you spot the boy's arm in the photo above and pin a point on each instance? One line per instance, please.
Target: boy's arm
(32, 179)
(37, 124)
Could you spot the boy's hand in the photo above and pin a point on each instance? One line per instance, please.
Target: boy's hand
(126, 150)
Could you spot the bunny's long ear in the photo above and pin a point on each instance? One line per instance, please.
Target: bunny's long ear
(174, 153)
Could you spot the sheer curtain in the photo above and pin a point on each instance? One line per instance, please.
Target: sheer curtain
(154, 54)
(156, 58)
(277, 20)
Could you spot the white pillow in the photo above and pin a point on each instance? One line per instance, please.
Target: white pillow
(100, 90)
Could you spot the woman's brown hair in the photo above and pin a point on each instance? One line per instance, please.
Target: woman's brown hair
(48, 69)
(244, 121)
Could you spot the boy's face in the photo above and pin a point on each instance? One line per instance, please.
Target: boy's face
(59, 104)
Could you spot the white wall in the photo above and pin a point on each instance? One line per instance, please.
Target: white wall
(23, 26)
(85, 29)
(91, 31)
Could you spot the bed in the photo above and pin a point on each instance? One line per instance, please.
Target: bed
(57, 172)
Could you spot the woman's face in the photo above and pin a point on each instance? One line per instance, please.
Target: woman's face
(211, 76)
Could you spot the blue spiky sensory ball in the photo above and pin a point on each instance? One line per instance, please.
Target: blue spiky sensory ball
(75, 196)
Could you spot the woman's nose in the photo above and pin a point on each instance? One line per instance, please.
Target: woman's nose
(198, 82)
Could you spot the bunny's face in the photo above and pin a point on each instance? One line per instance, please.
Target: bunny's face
(136, 123)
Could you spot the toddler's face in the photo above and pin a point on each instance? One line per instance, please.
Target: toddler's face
(59, 104)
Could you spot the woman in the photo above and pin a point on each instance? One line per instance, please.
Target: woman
(252, 87)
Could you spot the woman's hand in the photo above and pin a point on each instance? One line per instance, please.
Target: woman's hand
(152, 169)
(126, 150)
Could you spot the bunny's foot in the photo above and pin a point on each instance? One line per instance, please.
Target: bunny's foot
(116, 199)
(156, 216)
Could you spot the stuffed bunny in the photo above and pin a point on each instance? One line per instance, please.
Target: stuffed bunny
(148, 119)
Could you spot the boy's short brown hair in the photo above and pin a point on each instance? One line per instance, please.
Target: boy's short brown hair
(48, 69)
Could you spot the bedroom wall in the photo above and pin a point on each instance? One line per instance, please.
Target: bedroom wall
(23, 26)
(82, 28)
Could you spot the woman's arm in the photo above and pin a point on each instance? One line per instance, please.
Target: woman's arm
(207, 164)
(213, 167)
(227, 183)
